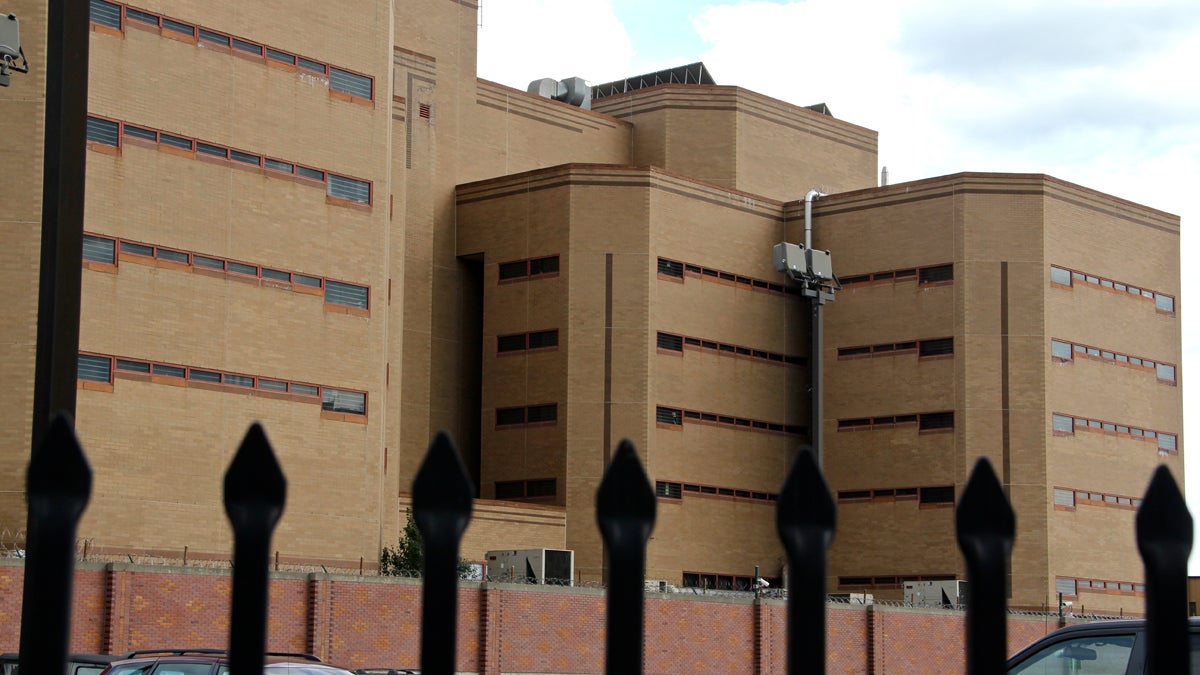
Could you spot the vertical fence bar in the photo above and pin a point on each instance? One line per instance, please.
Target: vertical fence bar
(625, 512)
(442, 494)
(986, 527)
(806, 518)
(58, 486)
(1164, 539)
(255, 492)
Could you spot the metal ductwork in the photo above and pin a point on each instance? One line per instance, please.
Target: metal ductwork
(573, 91)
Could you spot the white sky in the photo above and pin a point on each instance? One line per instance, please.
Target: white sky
(1102, 93)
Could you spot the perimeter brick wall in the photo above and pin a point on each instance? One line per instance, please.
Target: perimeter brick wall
(375, 622)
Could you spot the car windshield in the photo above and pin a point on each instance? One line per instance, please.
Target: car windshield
(303, 669)
(1090, 655)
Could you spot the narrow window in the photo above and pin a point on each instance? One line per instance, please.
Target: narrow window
(939, 420)
(94, 368)
(930, 275)
(1060, 350)
(243, 268)
(314, 174)
(203, 375)
(175, 141)
(352, 189)
(1063, 424)
(281, 57)
(309, 64)
(669, 490)
(350, 83)
(510, 343)
(178, 27)
(143, 17)
(205, 261)
(277, 165)
(1164, 303)
(305, 280)
(238, 380)
(303, 389)
(1064, 586)
(103, 132)
(137, 249)
(514, 270)
(215, 38)
(1060, 276)
(138, 132)
(1064, 497)
(937, 495)
(128, 366)
(168, 371)
(337, 400)
(1166, 442)
(272, 385)
(546, 487)
(665, 415)
(936, 347)
(510, 489)
(347, 295)
(245, 157)
(213, 150)
(248, 47)
(543, 338)
(853, 351)
(670, 268)
(542, 413)
(1166, 372)
(106, 14)
(547, 265)
(277, 275)
(99, 249)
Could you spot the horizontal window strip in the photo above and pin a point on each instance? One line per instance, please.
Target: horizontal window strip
(108, 132)
(928, 421)
(935, 494)
(520, 342)
(1064, 350)
(678, 416)
(102, 249)
(348, 401)
(922, 348)
(1073, 586)
(679, 343)
(929, 274)
(680, 270)
(716, 581)
(114, 14)
(544, 413)
(889, 580)
(528, 268)
(537, 488)
(1064, 424)
(1065, 276)
(1070, 498)
(676, 490)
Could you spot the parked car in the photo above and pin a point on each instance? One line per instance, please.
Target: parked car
(1100, 647)
(77, 664)
(214, 662)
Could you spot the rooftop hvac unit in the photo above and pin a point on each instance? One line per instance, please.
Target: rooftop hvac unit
(532, 565)
(949, 593)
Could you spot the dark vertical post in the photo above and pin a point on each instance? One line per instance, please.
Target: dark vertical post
(58, 486)
(816, 364)
(255, 492)
(66, 60)
(625, 512)
(986, 527)
(806, 518)
(442, 493)
(1164, 539)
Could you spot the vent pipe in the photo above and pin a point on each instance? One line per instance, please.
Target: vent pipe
(883, 177)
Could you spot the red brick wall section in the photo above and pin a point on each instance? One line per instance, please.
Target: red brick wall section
(689, 637)
(374, 622)
(551, 631)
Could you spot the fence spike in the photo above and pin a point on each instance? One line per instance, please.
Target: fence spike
(625, 512)
(1164, 539)
(58, 485)
(806, 518)
(986, 527)
(441, 502)
(255, 492)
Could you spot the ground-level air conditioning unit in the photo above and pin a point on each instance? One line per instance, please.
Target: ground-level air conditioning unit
(532, 565)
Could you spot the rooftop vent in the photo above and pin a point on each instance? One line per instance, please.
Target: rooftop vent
(573, 91)
(693, 73)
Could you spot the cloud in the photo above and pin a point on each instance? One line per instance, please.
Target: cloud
(524, 40)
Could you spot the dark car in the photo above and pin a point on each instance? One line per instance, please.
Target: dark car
(214, 662)
(77, 664)
(1101, 647)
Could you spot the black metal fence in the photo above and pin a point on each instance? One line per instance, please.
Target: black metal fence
(59, 486)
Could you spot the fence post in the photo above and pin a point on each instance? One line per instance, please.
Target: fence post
(255, 492)
(441, 504)
(986, 526)
(1164, 539)
(625, 512)
(58, 485)
(806, 518)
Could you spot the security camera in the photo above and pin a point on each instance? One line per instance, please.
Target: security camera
(763, 583)
(10, 48)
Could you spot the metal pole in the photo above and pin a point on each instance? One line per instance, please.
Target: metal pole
(62, 213)
(816, 427)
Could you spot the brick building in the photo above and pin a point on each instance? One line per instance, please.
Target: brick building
(323, 220)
